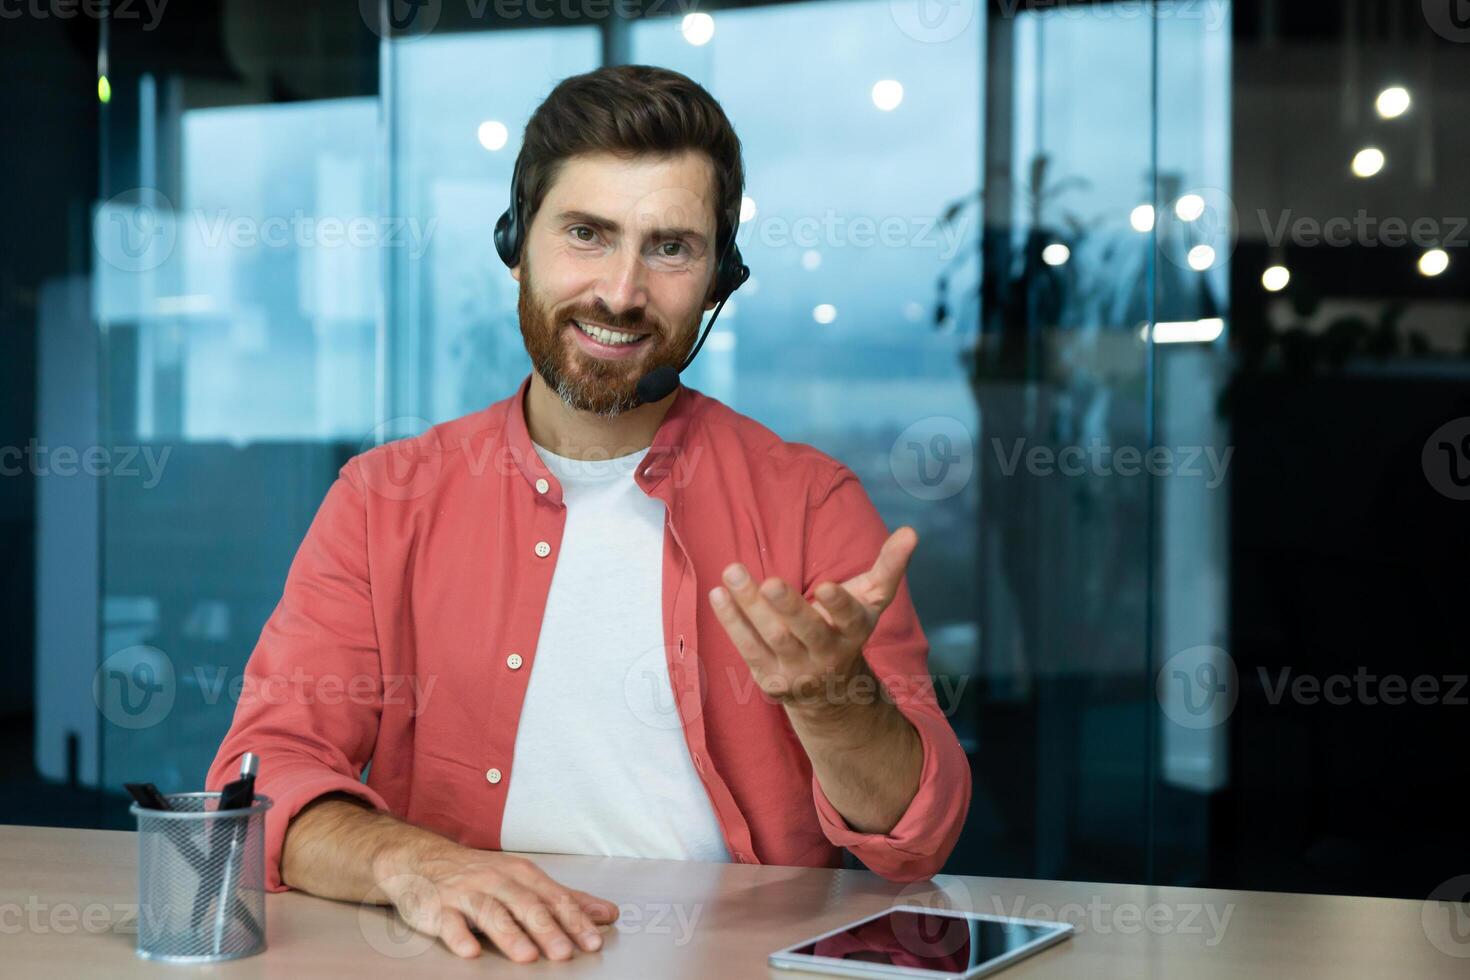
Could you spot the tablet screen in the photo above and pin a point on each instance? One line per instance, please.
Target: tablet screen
(927, 940)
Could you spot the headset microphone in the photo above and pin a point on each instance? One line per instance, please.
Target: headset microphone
(657, 384)
(731, 271)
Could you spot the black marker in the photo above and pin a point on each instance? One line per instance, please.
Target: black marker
(147, 796)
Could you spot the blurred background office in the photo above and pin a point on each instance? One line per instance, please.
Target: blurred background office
(1153, 318)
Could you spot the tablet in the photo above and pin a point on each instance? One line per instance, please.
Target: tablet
(922, 943)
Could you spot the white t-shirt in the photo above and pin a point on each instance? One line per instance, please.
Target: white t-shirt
(601, 766)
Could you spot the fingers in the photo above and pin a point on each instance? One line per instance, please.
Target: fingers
(600, 910)
(570, 915)
(893, 561)
(456, 934)
(578, 913)
(785, 623)
(539, 921)
(750, 644)
(516, 905)
(849, 617)
(499, 926)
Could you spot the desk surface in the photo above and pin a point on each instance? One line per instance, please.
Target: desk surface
(68, 908)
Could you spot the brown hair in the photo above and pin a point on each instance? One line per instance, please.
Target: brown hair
(631, 110)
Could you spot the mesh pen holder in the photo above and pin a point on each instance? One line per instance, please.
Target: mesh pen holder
(201, 880)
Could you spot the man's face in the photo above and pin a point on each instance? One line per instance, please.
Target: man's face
(620, 245)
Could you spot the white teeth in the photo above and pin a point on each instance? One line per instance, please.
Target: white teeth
(610, 337)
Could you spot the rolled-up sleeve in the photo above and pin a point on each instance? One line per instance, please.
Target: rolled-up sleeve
(320, 640)
(845, 534)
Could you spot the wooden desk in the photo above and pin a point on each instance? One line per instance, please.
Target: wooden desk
(67, 908)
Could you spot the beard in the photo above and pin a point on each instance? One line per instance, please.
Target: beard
(584, 382)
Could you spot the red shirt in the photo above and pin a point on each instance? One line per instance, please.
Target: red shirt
(408, 628)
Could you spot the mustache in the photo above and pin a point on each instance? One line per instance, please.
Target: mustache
(634, 324)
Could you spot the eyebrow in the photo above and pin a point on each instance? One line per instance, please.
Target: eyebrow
(608, 225)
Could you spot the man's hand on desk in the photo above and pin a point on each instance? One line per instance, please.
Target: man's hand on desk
(337, 847)
(808, 656)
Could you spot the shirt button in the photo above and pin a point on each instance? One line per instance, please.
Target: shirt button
(513, 661)
(542, 549)
(493, 775)
(542, 486)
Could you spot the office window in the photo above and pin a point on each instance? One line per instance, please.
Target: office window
(851, 160)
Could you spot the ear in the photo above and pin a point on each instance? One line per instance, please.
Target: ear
(515, 272)
(709, 294)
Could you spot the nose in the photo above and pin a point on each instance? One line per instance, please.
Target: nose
(622, 287)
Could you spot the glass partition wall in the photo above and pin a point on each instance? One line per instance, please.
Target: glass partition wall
(949, 288)
(995, 251)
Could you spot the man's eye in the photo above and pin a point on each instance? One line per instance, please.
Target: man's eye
(582, 228)
(678, 246)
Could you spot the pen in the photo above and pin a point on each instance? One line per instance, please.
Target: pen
(238, 795)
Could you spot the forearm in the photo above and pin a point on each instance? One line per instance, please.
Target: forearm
(338, 847)
(867, 757)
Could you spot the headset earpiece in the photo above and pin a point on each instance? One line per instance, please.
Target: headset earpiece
(508, 229)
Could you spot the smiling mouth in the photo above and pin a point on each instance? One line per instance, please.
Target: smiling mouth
(608, 335)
